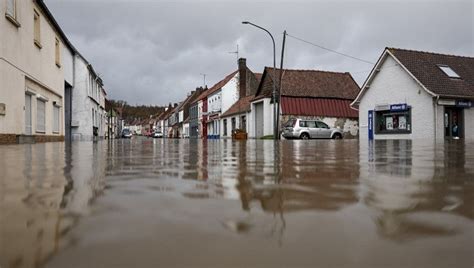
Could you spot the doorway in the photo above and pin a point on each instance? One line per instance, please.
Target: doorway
(259, 120)
(28, 128)
(453, 122)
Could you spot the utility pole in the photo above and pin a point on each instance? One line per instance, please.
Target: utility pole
(279, 84)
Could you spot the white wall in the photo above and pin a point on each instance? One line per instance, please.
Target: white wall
(67, 61)
(21, 61)
(84, 101)
(214, 102)
(230, 93)
(393, 85)
(469, 124)
(267, 118)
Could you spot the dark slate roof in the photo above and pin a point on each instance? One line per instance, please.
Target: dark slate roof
(424, 67)
(312, 83)
(241, 106)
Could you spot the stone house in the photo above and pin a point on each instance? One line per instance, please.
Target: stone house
(418, 95)
(307, 94)
(34, 64)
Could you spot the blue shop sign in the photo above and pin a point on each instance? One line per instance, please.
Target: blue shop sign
(398, 107)
(464, 103)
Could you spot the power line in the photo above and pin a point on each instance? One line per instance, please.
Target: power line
(330, 50)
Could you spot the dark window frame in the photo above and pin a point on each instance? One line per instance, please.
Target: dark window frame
(379, 123)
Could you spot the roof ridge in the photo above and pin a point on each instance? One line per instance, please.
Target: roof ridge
(429, 52)
(308, 70)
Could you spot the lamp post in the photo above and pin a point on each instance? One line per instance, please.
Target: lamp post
(275, 115)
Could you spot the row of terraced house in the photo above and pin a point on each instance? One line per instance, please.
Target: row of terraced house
(48, 91)
(408, 94)
(242, 101)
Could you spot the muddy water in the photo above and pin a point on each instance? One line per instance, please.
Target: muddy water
(187, 203)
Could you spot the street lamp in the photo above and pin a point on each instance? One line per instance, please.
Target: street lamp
(275, 116)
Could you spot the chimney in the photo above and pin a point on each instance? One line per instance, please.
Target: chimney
(242, 77)
(175, 105)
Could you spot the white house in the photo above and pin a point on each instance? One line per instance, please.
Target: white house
(32, 73)
(417, 95)
(88, 103)
(236, 100)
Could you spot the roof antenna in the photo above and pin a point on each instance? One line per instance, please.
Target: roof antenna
(204, 78)
(236, 52)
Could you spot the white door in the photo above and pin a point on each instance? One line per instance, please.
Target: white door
(258, 120)
(27, 114)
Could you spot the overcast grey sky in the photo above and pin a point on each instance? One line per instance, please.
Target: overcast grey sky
(153, 52)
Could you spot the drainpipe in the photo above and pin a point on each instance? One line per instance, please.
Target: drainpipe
(436, 119)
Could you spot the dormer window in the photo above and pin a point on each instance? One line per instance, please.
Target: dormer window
(448, 71)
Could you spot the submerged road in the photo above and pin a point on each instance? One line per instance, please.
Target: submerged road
(219, 203)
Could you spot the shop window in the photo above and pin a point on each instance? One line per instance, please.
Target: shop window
(389, 122)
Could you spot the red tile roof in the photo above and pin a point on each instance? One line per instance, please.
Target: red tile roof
(317, 107)
(424, 66)
(241, 106)
(311, 83)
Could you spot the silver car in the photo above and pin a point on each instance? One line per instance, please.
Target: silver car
(309, 129)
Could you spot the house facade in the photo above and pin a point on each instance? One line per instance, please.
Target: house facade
(88, 103)
(305, 94)
(238, 109)
(418, 96)
(32, 73)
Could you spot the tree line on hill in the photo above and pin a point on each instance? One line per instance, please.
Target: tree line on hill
(130, 112)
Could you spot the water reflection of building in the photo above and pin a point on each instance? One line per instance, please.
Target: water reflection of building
(306, 176)
(36, 196)
(402, 179)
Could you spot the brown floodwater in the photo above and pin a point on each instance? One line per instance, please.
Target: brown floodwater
(219, 203)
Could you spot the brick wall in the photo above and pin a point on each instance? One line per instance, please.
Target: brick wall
(13, 138)
(7, 138)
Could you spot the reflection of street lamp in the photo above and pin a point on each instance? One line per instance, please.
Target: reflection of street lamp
(275, 116)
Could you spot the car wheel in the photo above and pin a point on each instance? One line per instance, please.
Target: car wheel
(337, 136)
(304, 136)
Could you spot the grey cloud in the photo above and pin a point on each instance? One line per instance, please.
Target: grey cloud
(153, 52)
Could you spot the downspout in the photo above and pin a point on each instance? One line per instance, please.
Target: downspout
(435, 104)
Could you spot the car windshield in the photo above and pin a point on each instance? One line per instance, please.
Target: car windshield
(126, 131)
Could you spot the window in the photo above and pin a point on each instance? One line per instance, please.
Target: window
(37, 29)
(11, 13)
(243, 122)
(311, 124)
(303, 124)
(57, 47)
(225, 127)
(40, 116)
(233, 123)
(56, 123)
(321, 125)
(388, 122)
(448, 71)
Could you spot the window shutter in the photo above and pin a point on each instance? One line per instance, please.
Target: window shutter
(41, 116)
(56, 119)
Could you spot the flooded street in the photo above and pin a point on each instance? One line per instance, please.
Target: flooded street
(221, 203)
